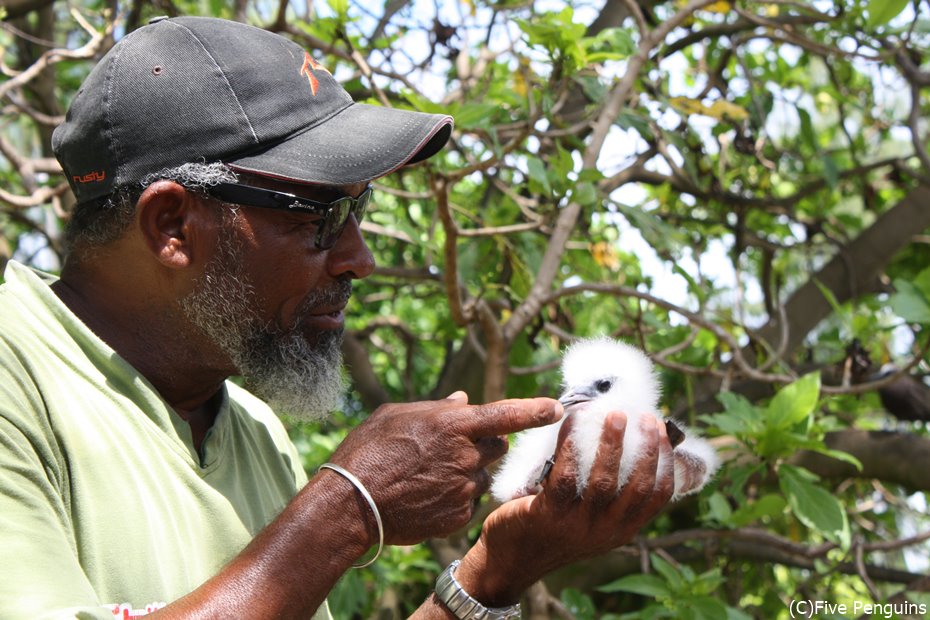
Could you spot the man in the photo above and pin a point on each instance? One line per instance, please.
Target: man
(221, 174)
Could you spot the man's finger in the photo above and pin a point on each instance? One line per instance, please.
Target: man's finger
(562, 482)
(459, 396)
(665, 476)
(647, 465)
(605, 472)
(508, 416)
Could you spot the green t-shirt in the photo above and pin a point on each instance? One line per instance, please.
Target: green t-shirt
(106, 508)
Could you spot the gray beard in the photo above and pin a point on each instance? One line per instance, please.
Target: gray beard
(279, 365)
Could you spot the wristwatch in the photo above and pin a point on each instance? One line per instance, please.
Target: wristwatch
(463, 606)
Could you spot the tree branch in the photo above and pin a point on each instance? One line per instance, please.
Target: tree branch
(898, 458)
(54, 56)
(751, 544)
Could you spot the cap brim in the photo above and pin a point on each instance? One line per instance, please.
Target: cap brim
(360, 143)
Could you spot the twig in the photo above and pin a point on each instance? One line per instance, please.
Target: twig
(450, 273)
(39, 197)
(54, 56)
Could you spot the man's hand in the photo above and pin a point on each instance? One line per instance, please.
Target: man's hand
(528, 537)
(424, 463)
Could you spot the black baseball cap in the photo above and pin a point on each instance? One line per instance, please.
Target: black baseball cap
(190, 89)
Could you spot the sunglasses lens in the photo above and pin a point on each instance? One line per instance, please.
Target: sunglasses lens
(361, 205)
(334, 223)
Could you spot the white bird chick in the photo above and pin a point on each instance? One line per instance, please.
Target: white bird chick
(602, 375)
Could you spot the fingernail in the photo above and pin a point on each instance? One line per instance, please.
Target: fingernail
(457, 395)
(617, 421)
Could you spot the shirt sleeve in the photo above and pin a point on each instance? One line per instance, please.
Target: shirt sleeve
(43, 577)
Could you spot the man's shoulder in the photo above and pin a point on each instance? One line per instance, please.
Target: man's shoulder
(265, 428)
(255, 412)
(27, 317)
(249, 404)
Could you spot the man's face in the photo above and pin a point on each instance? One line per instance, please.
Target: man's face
(274, 303)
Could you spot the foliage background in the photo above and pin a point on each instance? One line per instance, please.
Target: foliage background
(741, 188)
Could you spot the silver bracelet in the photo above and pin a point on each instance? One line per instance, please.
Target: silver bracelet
(371, 502)
(462, 605)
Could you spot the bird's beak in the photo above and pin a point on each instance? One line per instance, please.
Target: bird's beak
(573, 397)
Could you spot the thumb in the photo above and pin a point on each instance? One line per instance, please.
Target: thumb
(459, 396)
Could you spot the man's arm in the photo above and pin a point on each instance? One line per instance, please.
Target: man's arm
(424, 465)
(527, 538)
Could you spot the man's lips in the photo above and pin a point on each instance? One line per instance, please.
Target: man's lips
(328, 310)
(326, 317)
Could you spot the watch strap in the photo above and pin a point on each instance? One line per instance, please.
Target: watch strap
(462, 605)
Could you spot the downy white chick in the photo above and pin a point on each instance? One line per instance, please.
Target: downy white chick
(602, 375)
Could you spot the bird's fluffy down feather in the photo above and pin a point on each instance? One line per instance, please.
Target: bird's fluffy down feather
(602, 375)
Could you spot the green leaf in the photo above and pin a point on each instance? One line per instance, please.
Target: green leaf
(475, 114)
(909, 302)
(703, 608)
(883, 11)
(537, 171)
(922, 282)
(779, 442)
(707, 582)
(558, 34)
(719, 508)
(814, 506)
(794, 402)
(340, 7)
(739, 476)
(831, 171)
(697, 290)
(348, 596)
(736, 614)
(840, 456)
(422, 104)
(740, 417)
(828, 295)
(645, 585)
(728, 423)
(632, 120)
(579, 604)
(735, 403)
(585, 194)
(808, 136)
(671, 574)
(766, 506)
(617, 41)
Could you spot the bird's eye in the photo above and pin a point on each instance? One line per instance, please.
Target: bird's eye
(602, 386)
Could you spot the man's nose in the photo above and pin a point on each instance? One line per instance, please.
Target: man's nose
(350, 254)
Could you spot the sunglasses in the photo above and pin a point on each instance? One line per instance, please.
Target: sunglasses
(335, 214)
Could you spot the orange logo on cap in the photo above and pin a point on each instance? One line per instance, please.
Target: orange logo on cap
(90, 177)
(309, 67)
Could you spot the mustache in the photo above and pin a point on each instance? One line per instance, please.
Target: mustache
(336, 294)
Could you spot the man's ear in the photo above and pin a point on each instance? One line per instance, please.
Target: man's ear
(172, 221)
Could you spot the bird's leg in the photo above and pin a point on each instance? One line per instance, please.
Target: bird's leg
(546, 468)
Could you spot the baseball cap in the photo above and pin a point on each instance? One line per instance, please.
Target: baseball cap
(190, 89)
